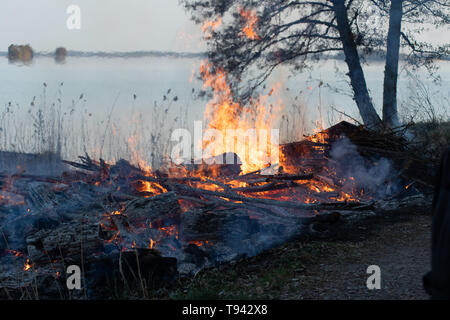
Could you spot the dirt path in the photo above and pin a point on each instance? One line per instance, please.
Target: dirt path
(402, 251)
(328, 269)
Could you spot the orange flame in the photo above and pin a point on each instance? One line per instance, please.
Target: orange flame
(27, 265)
(251, 19)
(226, 115)
(133, 142)
(344, 197)
(211, 25)
(200, 243)
(151, 187)
(170, 231)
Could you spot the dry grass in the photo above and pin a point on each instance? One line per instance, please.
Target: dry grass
(68, 129)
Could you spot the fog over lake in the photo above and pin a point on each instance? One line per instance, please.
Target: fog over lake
(101, 94)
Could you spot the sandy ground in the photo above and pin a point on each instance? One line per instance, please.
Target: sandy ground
(402, 251)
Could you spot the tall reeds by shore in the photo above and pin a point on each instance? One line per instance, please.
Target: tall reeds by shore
(61, 127)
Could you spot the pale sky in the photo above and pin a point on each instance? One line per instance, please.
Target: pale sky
(106, 25)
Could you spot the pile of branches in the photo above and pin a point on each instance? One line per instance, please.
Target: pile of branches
(70, 209)
(224, 194)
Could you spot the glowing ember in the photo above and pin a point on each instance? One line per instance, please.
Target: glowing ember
(15, 253)
(200, 243)
(170, 231)
(27, 266)
(345, 197)
(152, 244)
(150, 187)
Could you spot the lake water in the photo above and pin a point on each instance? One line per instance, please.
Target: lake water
(118, 107)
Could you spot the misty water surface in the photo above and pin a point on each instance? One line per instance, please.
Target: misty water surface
(105, 101)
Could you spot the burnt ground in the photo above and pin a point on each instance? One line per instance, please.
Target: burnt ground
(330, 265)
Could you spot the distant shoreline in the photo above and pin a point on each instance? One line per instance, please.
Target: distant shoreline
(132, 54)
(378, 56)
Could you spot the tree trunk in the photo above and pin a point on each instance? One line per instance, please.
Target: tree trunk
(390, 113)
(356, 73)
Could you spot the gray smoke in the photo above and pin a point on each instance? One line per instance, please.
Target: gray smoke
(376, 176)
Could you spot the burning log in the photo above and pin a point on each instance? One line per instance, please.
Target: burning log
(271, 184)
(263, 188)
(200, 180)
(160, 210)
(278, 177)
(81, 244)
(285, 204)
(330, 182)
